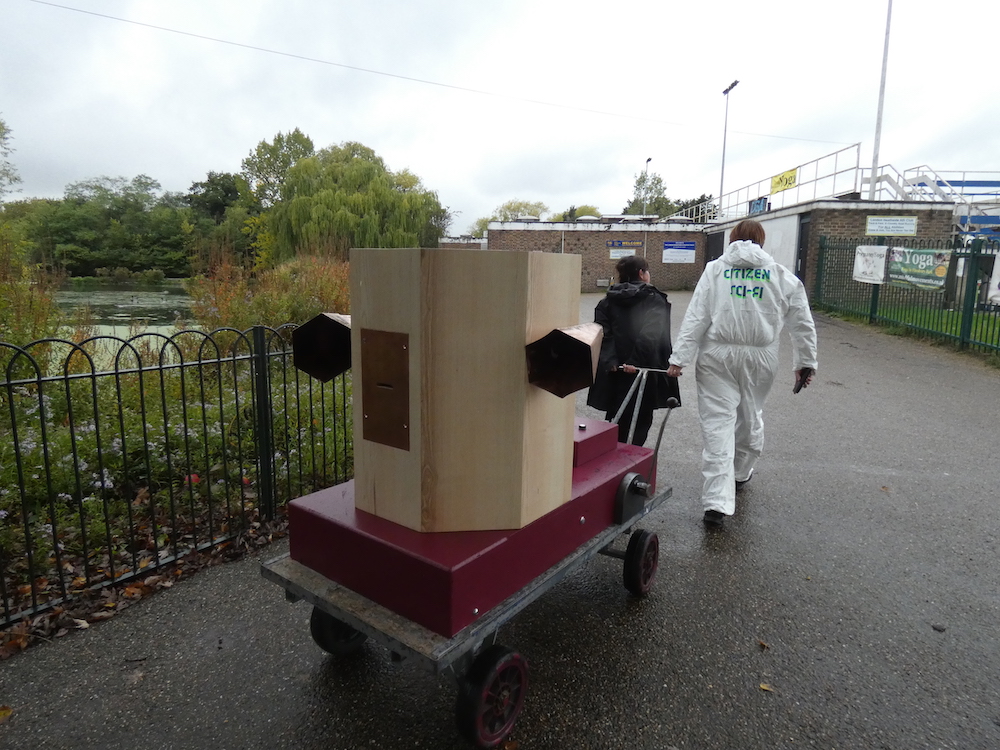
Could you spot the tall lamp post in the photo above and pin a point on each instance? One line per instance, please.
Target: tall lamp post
(881, 97)
(725, 127)
(645, 186)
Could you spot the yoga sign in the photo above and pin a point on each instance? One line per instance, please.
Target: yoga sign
(920, 269)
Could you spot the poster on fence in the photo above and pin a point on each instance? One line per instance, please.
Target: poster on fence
(919, 269)
(869, 263)
(994, 295)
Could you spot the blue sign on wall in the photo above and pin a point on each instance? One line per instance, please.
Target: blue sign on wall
(758, 205)
(678, 252)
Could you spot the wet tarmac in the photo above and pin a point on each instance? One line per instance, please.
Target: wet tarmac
(852, 602)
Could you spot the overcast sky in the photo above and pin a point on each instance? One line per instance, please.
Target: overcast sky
(489, 100)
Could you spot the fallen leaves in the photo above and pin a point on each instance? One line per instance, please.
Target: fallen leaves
(47, 610)
(5, 713)
(764, 686)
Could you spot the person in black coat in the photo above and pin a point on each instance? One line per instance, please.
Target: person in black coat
(635, 316)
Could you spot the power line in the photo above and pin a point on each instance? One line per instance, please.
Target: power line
(480, 92)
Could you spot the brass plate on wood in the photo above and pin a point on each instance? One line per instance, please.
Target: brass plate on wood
(385, 387)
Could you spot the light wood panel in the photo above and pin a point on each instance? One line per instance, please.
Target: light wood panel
(488, 450)
(385, 296)
(548, 420)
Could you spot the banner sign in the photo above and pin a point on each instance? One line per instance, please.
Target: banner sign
(758, 205)
(891, 226)
(623, 248)
(678, 252)
(784, 180)
(869, 263)
(922, 269)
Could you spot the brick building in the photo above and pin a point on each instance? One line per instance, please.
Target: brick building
(677, 252)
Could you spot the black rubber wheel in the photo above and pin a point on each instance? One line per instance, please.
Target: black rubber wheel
(332, 635)
(641, 560)
(491, 696)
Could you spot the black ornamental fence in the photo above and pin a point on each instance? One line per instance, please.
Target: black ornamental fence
(120, 457)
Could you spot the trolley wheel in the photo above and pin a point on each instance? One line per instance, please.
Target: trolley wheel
(491, 696)
(641, 560)
(332, 635)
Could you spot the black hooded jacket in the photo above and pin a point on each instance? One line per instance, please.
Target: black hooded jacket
(636, 321)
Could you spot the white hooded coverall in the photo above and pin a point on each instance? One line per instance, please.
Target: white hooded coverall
(731, 330)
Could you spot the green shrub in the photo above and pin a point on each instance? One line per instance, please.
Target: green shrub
(291, 293)
(28, 310)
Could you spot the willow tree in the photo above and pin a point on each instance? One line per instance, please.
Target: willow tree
(346, 197)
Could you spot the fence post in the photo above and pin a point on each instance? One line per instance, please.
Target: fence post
(971, 292)
(262, 422)
(876, 288)
(820, 270)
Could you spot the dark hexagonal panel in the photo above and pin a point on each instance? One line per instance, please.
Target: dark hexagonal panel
(565, 359)
(321, 347)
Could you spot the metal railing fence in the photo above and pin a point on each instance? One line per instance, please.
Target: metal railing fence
(118, 457)
(829, 176)
(960, 311)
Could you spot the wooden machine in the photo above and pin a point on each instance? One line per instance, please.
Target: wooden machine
(474, 480)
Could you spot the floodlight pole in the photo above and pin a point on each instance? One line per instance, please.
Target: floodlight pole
(725, 127)
(881, 99)
(645, 186)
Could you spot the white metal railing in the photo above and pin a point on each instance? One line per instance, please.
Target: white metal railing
(974, 193)
(890, 184)
(958, 186)
(829, 176)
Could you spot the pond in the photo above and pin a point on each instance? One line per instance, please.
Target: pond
(116, 309)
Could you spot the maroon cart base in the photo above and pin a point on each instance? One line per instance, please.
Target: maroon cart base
(447, 580)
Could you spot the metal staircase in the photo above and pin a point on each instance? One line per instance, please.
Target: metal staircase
(976, 195)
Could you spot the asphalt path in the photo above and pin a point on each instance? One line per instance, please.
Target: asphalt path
(852, 602)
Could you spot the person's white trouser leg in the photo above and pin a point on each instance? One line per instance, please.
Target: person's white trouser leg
(718, 399)
(749, 439)
(755, 385)
(733, 384)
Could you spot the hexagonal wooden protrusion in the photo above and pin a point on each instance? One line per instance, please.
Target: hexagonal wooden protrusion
(321, 346)
(565, 359)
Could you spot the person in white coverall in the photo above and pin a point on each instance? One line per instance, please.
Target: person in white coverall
(731, 332)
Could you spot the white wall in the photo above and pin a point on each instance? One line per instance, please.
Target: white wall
(782, 239)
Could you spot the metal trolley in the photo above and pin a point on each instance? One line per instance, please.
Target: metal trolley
(492, 679)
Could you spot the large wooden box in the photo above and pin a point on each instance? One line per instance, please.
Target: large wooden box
(449, 435)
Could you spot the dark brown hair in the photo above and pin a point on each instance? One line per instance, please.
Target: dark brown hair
(748, 229)
(630, 267)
